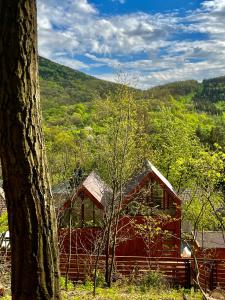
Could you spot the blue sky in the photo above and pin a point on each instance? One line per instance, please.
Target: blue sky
(153, 42)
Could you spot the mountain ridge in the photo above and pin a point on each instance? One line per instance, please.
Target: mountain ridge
(62, 85)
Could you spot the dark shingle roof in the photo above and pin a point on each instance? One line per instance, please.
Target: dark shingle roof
(210, 239)
(63, 188)
(147, 168)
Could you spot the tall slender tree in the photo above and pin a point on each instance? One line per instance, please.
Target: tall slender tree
(31, 217)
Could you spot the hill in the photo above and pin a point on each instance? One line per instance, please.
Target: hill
(174, 89)
(210, 96)
(62, 85)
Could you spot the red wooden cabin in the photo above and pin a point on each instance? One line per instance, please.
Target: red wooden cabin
(150, 218)
(210, 254)
(210, 244)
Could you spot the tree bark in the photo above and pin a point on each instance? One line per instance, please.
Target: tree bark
(31, 215)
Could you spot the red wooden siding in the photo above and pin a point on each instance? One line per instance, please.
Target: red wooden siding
(130, 242)
(134, 243)
(79, 240)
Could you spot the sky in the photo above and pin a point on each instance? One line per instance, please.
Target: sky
(153, 42)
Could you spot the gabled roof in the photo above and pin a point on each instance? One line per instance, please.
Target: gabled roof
(210, 239)
(147, 169)
(94, 188)
(163, 179)
(97, 188)
(99, 192)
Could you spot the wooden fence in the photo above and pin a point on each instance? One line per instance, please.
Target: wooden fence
(176, 270)
(211, 273)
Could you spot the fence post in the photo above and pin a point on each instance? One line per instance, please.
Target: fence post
(211, 277)
(187, 273)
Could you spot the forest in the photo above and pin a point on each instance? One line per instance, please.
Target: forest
(179, 127)
(112, 128)
(112, 188)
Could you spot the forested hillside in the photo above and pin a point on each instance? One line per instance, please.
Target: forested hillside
(62, 85)
(210, 96)
(180, 127)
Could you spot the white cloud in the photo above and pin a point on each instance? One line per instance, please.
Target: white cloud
(72, 63)
(138, 42)
(83, 6)
(214, 5)
(122, 34)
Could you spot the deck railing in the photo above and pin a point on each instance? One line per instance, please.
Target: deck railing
(178, 271)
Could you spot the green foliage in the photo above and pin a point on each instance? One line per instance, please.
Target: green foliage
(210, 96)
(129, 291)
(100, 279)
(154, 279)
(66, 285)
(61, 85)
(3, 223)
(175, 145)
(205, 206)
(175, 89)
(117, 148)
(170, 125)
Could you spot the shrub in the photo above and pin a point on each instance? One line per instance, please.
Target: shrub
(100, 279)
(69, 286)
(153, 279)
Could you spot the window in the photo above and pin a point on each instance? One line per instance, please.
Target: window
(157, 195)
(82, 213)
(147, 201)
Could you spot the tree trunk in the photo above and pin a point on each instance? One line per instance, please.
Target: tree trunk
(31, 215)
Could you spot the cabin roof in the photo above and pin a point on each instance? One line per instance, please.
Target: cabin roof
(210, 239)
(148, 168)
(62, 188)
(97, 188)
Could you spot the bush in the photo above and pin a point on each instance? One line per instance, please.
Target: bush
(3, 223)
(69, 286)
(100, 279)
(153, 279)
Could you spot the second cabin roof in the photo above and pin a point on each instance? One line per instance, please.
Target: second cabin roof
(148, 168)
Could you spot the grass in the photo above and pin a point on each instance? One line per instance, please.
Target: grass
(128, 292)
(146, 289)
(152, 286)
(84, 292)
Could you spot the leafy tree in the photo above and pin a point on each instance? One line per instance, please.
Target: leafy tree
(204, 206)
(175, 145)
(3, 223)
(116, 155)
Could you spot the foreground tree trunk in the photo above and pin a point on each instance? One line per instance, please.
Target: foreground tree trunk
(31, 216)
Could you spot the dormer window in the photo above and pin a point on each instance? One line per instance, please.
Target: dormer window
(154, 194)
